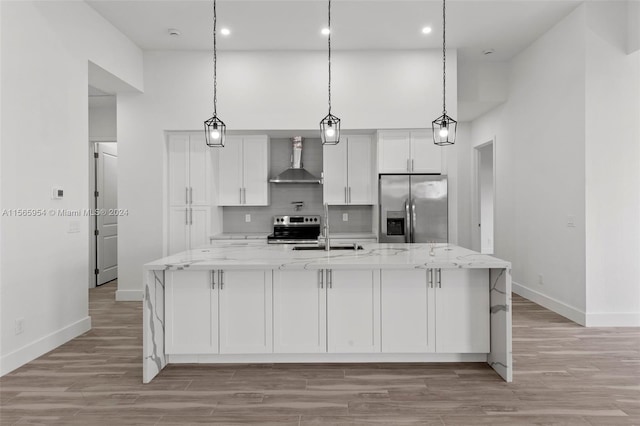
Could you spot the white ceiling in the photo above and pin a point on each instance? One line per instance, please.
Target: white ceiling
(507, 26)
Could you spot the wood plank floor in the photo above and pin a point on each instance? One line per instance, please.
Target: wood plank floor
(564, 375)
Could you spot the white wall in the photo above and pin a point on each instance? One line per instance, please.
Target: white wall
(102, 118)
(585, 164)
(540, 166)
(612, 169)
(257, 91)
(45, 50)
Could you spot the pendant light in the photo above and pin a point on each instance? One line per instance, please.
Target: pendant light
(330, 125)
(214, 128)
(444, 127)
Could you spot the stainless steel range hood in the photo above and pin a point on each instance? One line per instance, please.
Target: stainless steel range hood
(296, 173)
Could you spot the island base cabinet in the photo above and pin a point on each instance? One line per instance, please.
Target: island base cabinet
(245, 311)
(191, 313)
(299, 312)
(353, 311)
(462, 311)
(408, 311)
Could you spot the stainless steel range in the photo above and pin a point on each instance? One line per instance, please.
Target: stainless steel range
(295, 229)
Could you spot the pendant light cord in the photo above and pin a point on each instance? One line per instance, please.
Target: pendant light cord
(329, 44)
(215, 61)
(444, 58)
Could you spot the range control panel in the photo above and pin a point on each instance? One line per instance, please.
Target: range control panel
(296, 220)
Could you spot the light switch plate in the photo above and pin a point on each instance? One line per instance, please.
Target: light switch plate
(345, 217)
(57, 193)
(571, 221)
(247, 217)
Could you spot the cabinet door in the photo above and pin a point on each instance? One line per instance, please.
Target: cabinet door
(334, 168)
(191, 313)
(199, 170)
(199, 219)
(360, 176)
(353, 311)
(245, 312)
(178, 170)
(462, 311)
(408, 315)
(426, 157)
(299, 312)
(256, 171)
(178, 229)
(230, 172)
(394, 152)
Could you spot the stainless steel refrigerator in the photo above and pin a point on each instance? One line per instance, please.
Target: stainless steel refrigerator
(413, 209)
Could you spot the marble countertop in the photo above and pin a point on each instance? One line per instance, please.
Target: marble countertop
(258, 255)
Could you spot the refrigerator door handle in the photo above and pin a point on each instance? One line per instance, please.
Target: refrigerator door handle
(413, 220)
(407, 219)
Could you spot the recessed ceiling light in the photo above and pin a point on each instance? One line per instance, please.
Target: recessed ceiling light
(488, 51)
(426, 30)
(325, 31)
(173, 32)
(225, 31)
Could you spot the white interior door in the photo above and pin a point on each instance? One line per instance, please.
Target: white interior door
(106, 202)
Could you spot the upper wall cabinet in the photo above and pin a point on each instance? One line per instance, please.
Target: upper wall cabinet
(244, 171)
(348, 171)
(408, 152)
(189, 170)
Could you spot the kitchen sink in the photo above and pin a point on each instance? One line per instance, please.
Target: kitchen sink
(331, 248)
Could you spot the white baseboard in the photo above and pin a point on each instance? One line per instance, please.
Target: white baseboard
(613, 319)
(322, 358)
(27, 353)
(550, 303)
(129, 295)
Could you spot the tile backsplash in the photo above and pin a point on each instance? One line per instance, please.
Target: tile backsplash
(284, 194)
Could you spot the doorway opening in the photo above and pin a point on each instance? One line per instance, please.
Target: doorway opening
(103, 188)
(485, 197)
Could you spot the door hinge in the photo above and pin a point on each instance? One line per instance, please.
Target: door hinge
(95, 155)
(96, 194)
(96, 271)
(96, 232)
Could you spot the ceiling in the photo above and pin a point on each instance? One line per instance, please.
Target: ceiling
(506, 26)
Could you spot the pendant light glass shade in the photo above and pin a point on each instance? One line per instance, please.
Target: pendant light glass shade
(330, 125)
(215, 130)
(444, 127)
(444, 130)
(330, 128)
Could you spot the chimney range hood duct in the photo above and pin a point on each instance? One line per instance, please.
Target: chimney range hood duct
(295, 173)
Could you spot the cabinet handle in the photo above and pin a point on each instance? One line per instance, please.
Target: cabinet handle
(320, 275)
(221, 279)
(439, 271)
(186, 216)
(430, 277)
(240, 195)
(244, 195)
(349, 196)
(190, 195)
(329, 278)
(186, 195)
(190, 216)
(408, 165)
(213, 279)
(412, 164)
(345, 195)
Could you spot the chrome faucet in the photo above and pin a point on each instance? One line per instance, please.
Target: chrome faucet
(325, 228)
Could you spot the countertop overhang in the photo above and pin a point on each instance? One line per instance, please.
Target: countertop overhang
(259, 255)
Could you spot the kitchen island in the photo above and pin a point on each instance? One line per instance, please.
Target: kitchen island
(250, 302)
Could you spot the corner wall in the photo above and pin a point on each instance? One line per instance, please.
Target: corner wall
(45, 50)
(539, 140)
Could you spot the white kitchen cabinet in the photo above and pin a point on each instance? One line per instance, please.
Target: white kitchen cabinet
(353, 311)
(243, 171)
(407, 312)
(462, 310)
(245, 311)
(191, 313)
(190, 191)
(299, 312)
(347, 171)
(406, 151)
